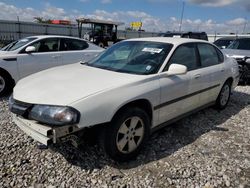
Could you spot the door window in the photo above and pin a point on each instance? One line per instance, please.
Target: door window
(46, 45)
(185, 55)
(208, 55)
(73, 44)
(220, 55)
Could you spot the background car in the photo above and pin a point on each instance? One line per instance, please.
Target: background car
(192, 35)
(134, 88)
(33, 54)
(240, 50)
(224, 42)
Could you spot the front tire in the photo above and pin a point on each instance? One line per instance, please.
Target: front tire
(224, 96)
(125, 136)
(5, 83)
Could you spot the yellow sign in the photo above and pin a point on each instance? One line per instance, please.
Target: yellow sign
(136, 24)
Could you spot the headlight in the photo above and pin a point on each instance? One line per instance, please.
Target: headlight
(54, 115)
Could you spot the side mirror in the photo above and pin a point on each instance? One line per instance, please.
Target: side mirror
(30, 49)
(248, 60)
(176, 69)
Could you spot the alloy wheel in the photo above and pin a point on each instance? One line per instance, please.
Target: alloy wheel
(225, 93)
(130, 135)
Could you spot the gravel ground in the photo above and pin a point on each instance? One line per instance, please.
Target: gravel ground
(208, 149)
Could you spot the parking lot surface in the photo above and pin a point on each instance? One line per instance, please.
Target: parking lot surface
(208, 149)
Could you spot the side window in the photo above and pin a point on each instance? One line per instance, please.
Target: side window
(208, 55)
(244, 44)
(46, 45)
(220, 55)
(73, 44)
(184, 55)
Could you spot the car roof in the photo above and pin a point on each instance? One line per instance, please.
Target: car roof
(185, 32)
(243, 38)
(233, 37)
(227, 38)
(171, 40)
(51, 36)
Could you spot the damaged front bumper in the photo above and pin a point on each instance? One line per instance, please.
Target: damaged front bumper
(45, 134)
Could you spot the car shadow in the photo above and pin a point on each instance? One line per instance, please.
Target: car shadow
(6, 96)
(168, 140)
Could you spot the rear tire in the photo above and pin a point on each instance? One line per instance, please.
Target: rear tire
(5, 83)
(127, 133)
(224, 96)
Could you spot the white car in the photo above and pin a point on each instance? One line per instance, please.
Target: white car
(133, 88)
(33, 54)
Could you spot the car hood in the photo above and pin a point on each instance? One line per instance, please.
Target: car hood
(67, 84)
(235, 52)
(7, 55)
(5, 52)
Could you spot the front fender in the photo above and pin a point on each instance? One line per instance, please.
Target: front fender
(101, 107)
(9, 64)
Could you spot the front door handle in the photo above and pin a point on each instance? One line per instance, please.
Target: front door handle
(197, 76)
(222, 70)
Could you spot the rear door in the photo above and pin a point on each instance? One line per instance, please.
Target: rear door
(46, 55)
(74, 50)
(213, 69)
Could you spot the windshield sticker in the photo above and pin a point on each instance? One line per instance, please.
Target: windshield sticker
(152, 50)
(176, 36)
(148, 67)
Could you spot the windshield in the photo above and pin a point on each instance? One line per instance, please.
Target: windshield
(240, 44)
(135, 57)
(18, 44)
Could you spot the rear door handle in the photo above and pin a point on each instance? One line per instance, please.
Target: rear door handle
(197, 76)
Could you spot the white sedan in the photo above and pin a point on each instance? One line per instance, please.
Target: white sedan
(133, 88)
(33, 54)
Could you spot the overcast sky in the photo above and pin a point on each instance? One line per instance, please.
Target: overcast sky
(221, 16)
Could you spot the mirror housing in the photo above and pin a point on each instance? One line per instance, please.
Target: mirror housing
(176, 69)
(30, 49)
(248, 60)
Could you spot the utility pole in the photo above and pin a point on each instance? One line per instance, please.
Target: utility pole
(182, 12)
(245, 25)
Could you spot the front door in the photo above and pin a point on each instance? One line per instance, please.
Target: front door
(46, 55)
(178, 92)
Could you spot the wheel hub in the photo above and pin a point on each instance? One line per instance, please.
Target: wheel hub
(130, 134)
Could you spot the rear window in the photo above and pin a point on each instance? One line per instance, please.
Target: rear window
(73, 44)
(220, 55)
(208, 55)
